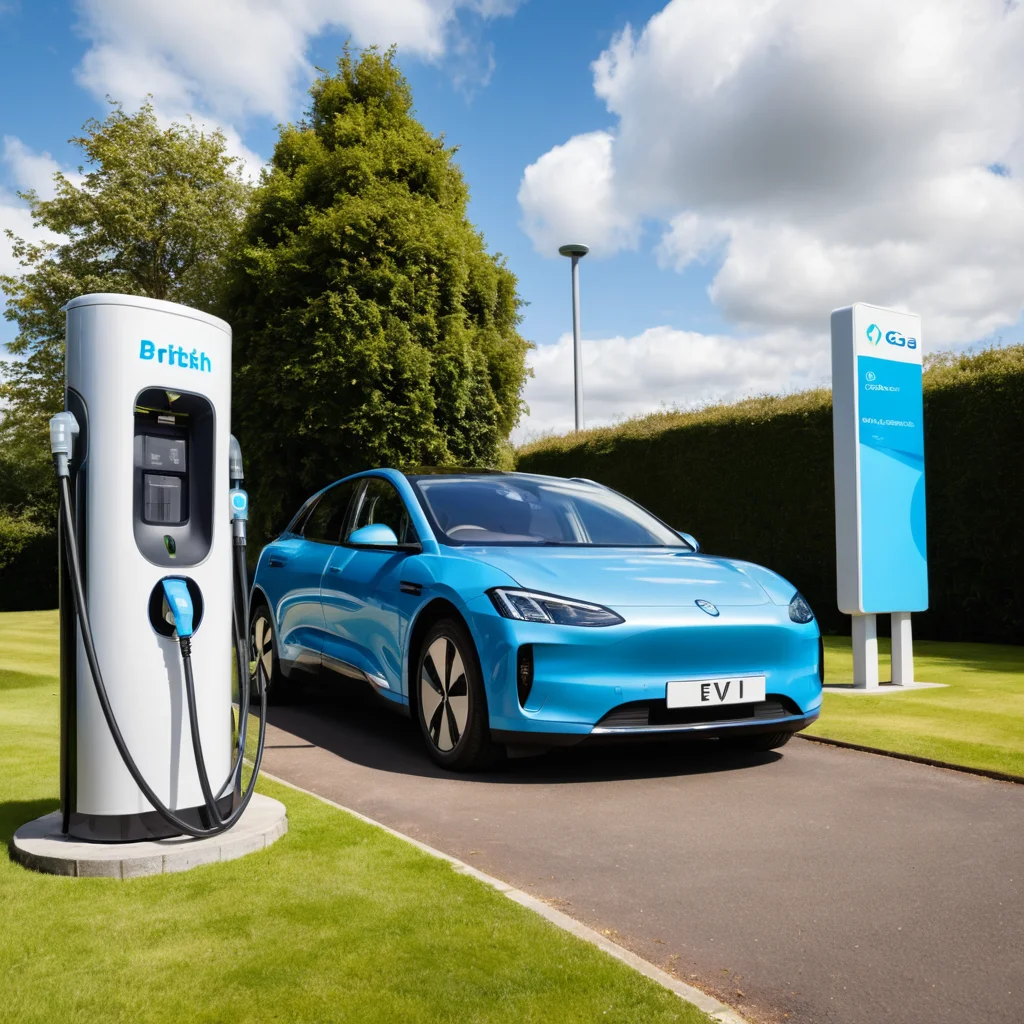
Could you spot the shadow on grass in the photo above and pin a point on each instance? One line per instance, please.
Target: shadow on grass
(15, 813)
(375, 737)
(991, 658)
(11, 680)
(973, 657)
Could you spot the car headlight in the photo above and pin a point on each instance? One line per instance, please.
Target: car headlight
(800, 610)
(529, 606)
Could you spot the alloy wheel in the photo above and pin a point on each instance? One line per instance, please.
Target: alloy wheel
(444, 693)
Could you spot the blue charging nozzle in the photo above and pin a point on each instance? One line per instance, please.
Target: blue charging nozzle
(239, 504)
(179, 601)
(239, 513)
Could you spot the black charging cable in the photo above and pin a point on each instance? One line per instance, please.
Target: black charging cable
(220, 824)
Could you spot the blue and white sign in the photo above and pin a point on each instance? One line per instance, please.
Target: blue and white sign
(878, 438)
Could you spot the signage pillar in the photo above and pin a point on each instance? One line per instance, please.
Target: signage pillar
(878, 442)
(902, 649)
(865, 651)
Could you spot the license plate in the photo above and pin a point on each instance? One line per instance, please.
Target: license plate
(699, 693)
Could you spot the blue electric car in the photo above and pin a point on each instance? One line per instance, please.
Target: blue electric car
(531, 611)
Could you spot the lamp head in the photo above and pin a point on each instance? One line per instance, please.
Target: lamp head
(574, 249)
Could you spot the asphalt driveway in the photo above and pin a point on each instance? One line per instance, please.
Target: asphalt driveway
(809, 885)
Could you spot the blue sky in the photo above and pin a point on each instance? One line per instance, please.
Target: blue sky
(692, 160)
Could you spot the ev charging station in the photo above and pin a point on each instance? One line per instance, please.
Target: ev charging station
(878, 440)
(153, 582)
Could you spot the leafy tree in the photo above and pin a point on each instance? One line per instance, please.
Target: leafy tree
(371, 325)
(153, 216)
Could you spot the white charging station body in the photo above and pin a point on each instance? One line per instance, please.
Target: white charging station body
(150, 385)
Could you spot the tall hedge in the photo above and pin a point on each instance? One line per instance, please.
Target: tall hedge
(754, 481)
(372, 327)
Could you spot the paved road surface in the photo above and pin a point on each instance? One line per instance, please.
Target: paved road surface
(811, 886)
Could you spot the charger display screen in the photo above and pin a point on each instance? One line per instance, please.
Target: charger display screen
(164, 453)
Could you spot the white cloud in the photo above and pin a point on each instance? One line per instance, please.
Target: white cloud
(820, 154)
(663, 366)
(568, 195)
(25, 169)
(236, 58)
(689, 238)
(225, 61)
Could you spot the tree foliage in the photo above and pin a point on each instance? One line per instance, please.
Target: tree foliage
(371, 325)
(152, 215)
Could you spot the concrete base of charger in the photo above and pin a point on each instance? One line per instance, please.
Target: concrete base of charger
(41, 846)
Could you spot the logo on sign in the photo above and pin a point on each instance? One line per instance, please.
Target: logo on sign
(176, 356)
(895, 338)
(874, 334)
(869, 375)
(707, 606)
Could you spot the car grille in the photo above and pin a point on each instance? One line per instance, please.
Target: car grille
(641, 714)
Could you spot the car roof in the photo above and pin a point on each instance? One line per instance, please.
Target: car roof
(453, 471)
(456, 471)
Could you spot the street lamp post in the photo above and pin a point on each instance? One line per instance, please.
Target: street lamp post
(576, 251)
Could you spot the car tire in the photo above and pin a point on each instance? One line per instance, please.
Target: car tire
(450, 698)
(263, 646)
(759, 743)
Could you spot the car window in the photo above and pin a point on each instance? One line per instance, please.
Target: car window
(380, 502)
(523, 509)
(298, 524)
(326, 520)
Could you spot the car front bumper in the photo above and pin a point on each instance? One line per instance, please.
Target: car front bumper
(595, 684)
(630, 734)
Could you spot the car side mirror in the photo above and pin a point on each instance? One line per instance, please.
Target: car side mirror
(690, 539)
(376, 535)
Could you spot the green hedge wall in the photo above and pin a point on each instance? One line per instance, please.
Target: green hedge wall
(28, 565)
(754, 481)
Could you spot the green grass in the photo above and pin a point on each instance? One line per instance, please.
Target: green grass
(977, 720)
(338, 921)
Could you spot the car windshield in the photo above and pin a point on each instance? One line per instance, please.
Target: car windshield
(522, 509)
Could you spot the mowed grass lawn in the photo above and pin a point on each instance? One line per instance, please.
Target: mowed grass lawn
(338, 921)
(977, 720)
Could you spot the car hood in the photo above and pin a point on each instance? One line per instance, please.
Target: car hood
(626, 577)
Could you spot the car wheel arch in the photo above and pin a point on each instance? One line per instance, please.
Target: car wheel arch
(257, 597)
(432, 612)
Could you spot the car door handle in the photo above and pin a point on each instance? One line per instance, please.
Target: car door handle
(275, 563)
(333, 568)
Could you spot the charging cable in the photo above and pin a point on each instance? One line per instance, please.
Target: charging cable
(63, 431)
(179, 602)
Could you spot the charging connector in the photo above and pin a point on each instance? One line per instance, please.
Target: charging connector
(236, 474)
(63, 432)
(239, 514)
(179, 602)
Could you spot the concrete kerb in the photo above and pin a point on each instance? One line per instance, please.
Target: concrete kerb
(711, 1006)
(930, 761)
